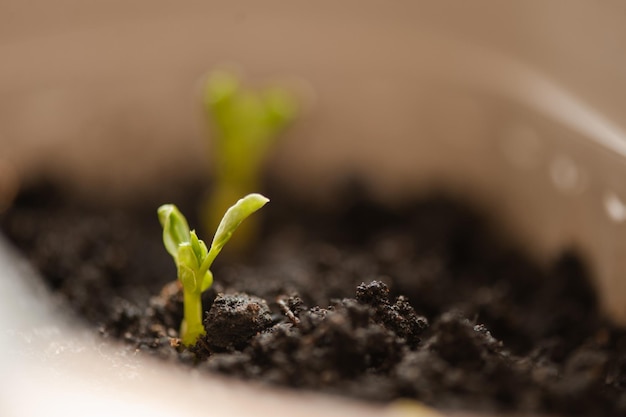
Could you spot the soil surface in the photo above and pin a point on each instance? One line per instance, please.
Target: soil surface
(422, 301)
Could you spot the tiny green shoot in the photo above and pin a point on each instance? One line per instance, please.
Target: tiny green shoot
(193, 259)
(245, 124)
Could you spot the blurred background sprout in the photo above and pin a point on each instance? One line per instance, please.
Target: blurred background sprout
(245, 124)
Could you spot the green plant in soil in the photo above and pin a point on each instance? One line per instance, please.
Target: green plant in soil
(245, 124)
(193, 259)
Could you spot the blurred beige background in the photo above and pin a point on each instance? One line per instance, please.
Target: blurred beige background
(83, 84)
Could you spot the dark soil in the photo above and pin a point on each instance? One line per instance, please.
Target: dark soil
(423, 301)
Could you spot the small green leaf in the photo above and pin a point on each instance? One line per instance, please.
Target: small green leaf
(231, 220)
(221, 85)
(187, 277)
(198, 246)
(175, 228)
(234, 216)
(207, 281)
(187, 256)
(281, 107)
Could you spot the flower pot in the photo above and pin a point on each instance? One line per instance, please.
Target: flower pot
(513, 106)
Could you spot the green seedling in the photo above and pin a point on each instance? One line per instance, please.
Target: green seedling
(245, 124)
(193, 259)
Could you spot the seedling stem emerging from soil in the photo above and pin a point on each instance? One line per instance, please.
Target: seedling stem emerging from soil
(193, 259)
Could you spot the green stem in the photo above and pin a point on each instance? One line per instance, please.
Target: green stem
(208, 261)
(192, 327)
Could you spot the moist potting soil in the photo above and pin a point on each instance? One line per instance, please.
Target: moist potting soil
(423, 301)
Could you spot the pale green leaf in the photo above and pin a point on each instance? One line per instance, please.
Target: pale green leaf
(220, 87)
(199, 247)
(175, 228)
(234, 216)
(207, 281)
(187, 256)
(231, 220)
(187, 277)
(280, 107)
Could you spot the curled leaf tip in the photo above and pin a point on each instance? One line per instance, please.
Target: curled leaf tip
(175, 228)
(258, 198)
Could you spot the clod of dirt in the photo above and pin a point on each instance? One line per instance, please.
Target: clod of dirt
(234, 319)
(400, 317)
(452, 331)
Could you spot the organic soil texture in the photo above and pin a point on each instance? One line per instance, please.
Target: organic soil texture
(425, 301)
